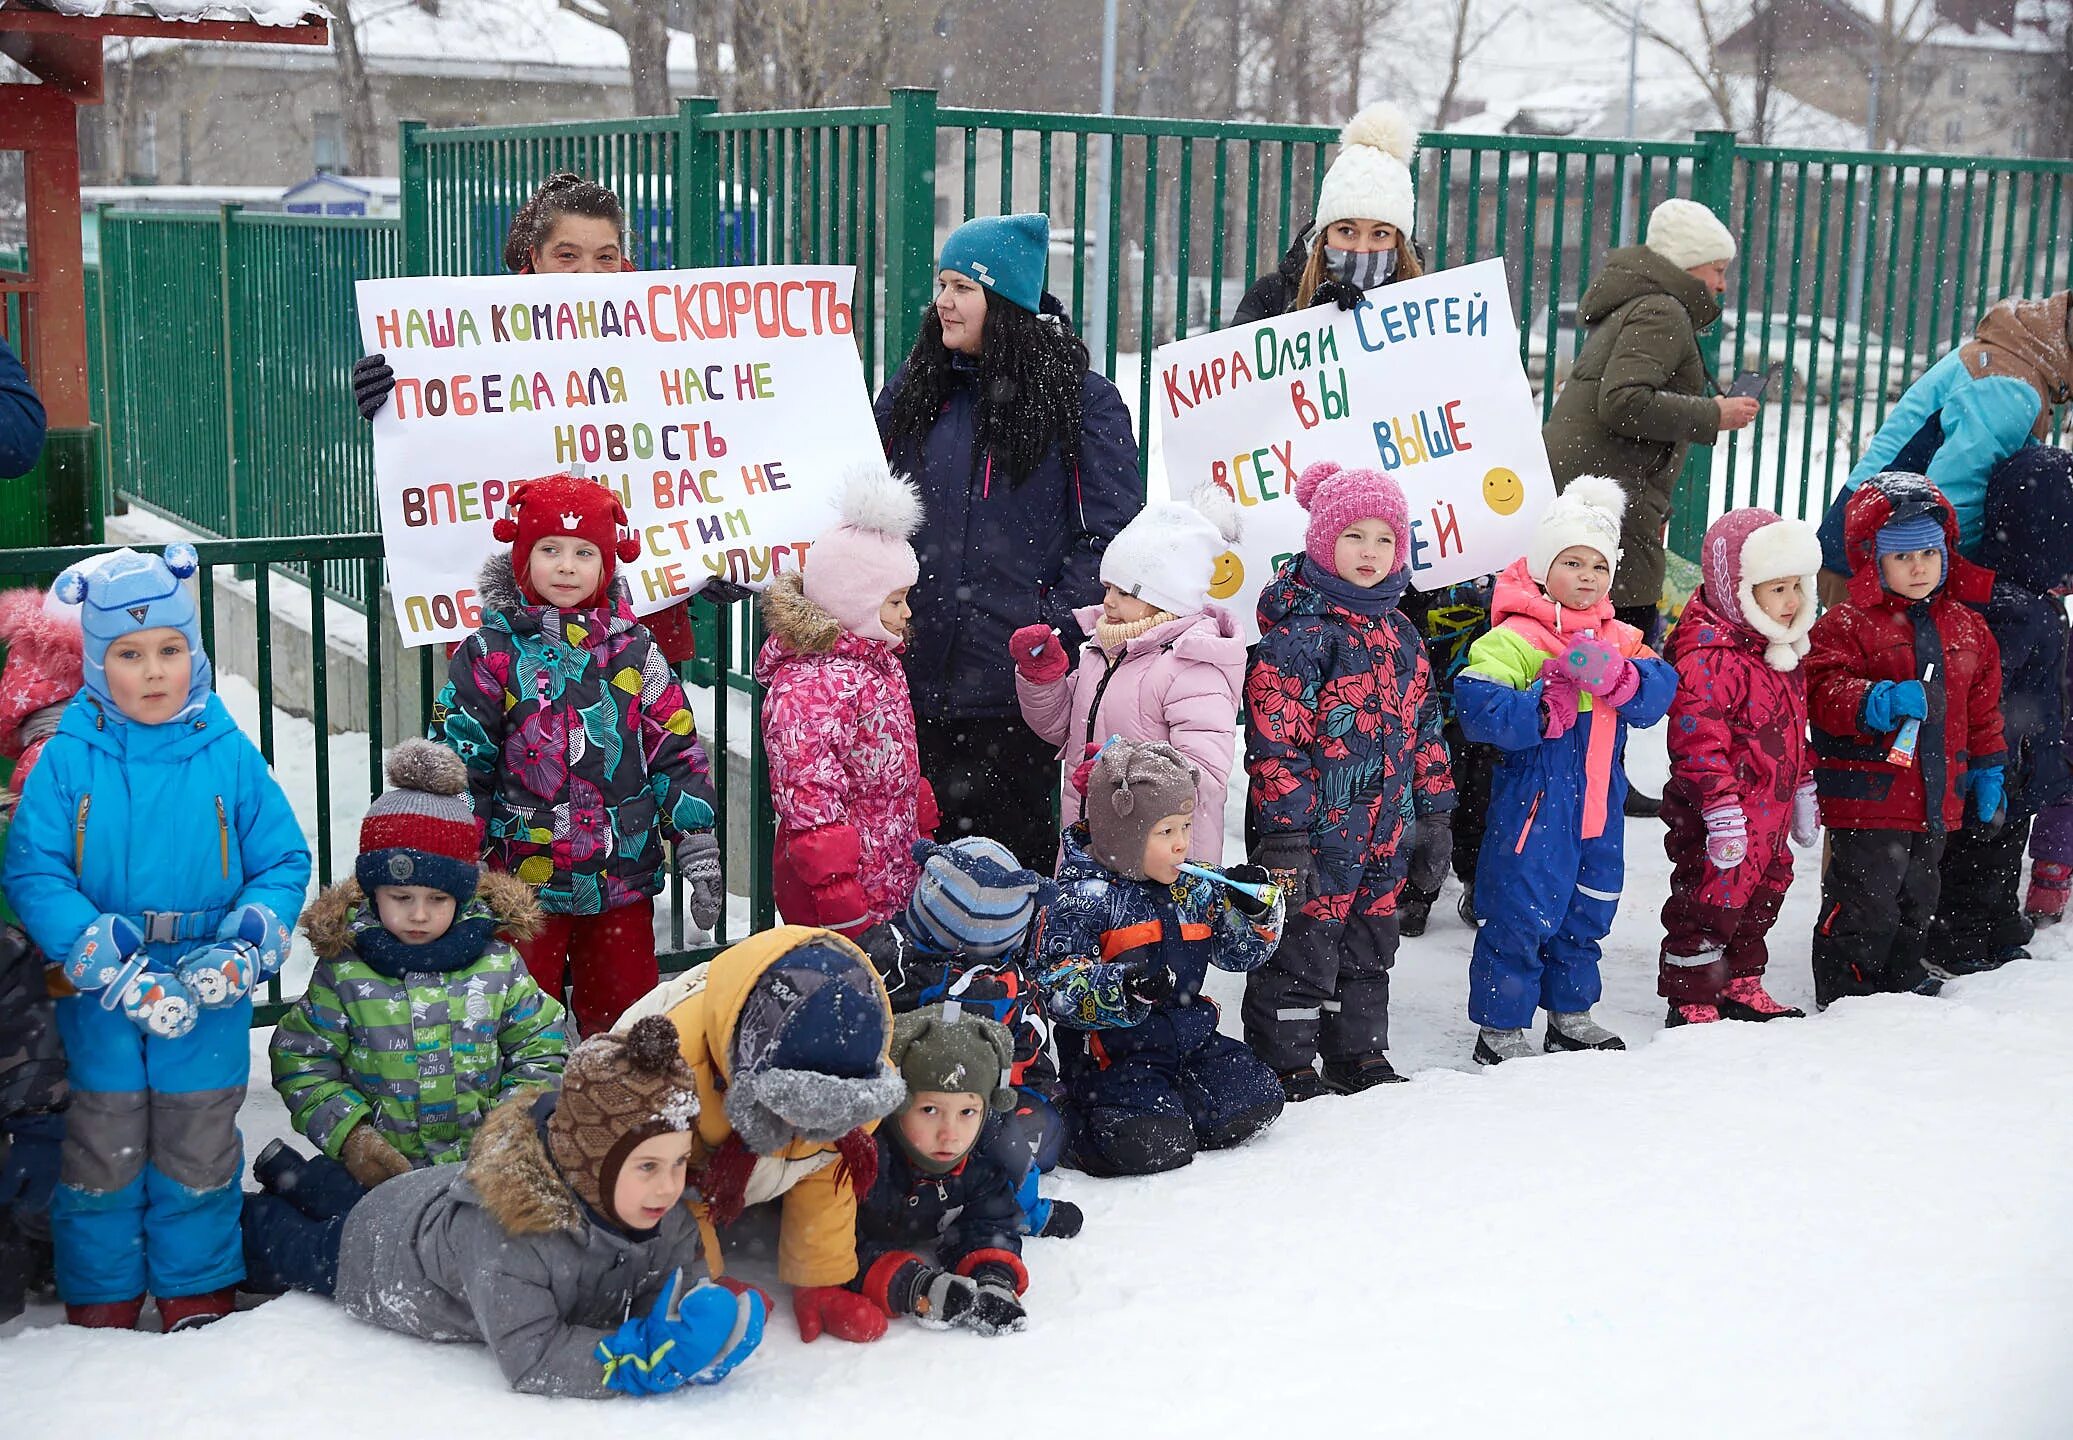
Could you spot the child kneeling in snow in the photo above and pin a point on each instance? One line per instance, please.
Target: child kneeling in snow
(561, 1243)
(940, 1186)
(1121, 957)
(148, 798)
(1741, 775)
(1554, 686)
(838, 727)
(419, 1017)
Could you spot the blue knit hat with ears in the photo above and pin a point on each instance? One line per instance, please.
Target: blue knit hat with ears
(127, 591)
(1004, 253)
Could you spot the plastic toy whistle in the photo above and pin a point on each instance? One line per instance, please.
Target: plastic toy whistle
(1903, 751)
(1265, 894)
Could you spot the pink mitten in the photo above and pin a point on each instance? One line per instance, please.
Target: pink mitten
(1727, 836)
(1558, 694)
(1596, 666)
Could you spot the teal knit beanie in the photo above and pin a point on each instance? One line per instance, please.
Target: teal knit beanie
(1004, 253)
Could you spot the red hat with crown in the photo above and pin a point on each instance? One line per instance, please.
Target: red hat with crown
(572, 506)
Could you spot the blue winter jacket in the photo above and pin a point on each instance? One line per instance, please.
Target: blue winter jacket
(123, 818)
(996, 556)
(21, 418)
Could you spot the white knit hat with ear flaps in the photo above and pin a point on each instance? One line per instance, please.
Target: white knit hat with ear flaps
(1371, 179)
(1587, 513)
(1167, 555)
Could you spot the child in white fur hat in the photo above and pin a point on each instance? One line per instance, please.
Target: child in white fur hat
(1162, 663)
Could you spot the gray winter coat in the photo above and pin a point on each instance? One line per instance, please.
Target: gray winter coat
(501, 1252)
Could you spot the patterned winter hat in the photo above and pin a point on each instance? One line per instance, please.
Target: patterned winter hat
(1166, 557)
(1337, 498)
(617, 1091)
(124, 592)
(571, 506)
(972, 898)
(42, 673)
(421, 830)
(1752, 546)
(865, 556)
(1132, 787)
(1586, 513)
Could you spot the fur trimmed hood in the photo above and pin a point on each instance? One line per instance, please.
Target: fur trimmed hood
(1752, 546)
(510, 1171)
(510, 900)
(496, 584)
(803, 627)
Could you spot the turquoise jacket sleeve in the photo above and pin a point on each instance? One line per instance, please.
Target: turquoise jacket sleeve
(40, 880)
(277, 859)
(1984, 422)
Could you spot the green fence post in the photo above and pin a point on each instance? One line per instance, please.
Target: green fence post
(415, 199)
(226, 229)
(910, 209)
(1713, 185)
(697, 184)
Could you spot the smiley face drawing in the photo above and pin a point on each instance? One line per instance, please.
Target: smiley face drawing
(1226, 576)
(1504, 491)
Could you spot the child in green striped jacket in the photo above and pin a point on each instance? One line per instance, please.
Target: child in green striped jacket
(419, 1016)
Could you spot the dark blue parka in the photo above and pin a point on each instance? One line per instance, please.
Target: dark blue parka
(996, 556)
(957, 1221)
(2027, 541)
(21, 417)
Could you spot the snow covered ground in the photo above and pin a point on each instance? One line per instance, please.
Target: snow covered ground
(1849, 1225)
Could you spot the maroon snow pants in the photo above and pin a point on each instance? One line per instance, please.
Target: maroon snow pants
(1715, 921)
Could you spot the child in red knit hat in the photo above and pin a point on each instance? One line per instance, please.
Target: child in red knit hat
(581, 752)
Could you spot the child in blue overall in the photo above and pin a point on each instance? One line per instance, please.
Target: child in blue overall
(1554, 685)
(155, 859)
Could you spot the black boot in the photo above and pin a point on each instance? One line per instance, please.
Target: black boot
(275, 1164)
(1301, 1085)
(1640, 806)
(1465, 907)
(1350, 1077)
(1412, 911)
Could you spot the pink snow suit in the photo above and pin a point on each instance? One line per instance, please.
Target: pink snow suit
(1178, 683)
(1737, 738)
(845, 778)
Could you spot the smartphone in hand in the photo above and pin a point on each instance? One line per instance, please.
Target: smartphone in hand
(1750, 384)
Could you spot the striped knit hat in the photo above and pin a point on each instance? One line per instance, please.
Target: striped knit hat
(421, 830)
(973, 898)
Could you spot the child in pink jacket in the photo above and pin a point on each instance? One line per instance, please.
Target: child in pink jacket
(838, 728)
(1163, 664)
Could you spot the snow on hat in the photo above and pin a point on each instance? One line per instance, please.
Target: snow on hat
(1586, 513)
(43, 672)
(617, 1091)
(124, 592)
(1371, 178)
(566, 505)
(866, 556)
(1132, 787)
(1167, 555)
(1750, 547)
(1337, 497)
(957, 1051)
(421, 830)
(1005, 253)
(972, 898)
(1686, 233)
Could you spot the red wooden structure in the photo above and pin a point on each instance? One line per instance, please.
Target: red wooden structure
(64, 53)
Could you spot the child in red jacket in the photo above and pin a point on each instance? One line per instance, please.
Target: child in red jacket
(1904, 647)
(1741, 780)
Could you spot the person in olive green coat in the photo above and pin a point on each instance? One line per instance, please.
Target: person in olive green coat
(1639, 395)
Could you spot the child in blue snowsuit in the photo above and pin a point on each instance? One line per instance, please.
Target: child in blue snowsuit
(1554, 686)
(1120, 960)
(155, 859)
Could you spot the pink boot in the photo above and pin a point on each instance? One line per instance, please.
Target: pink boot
(1691, 1015)
(2050, 884)
(1746, 999)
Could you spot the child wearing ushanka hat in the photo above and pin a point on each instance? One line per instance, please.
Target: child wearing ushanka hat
(155, 860)
(420, 929)
(582, 756)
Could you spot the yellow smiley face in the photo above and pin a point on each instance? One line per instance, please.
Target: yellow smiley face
(1504, 491)
(1226, 576)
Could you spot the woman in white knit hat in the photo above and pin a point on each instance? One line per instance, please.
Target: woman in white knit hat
(1639, 396)
(1361, 234)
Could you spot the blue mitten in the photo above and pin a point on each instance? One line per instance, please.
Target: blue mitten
(250, 947)
(1891, 701)
(1989, 793)
(686, 1338)
(158, 1004)
(104, 950)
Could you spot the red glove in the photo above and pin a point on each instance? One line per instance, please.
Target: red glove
(1083, 773)
(742, 1287)
(842, 1313)
(1039, 658)
(1558, 695)
(926, 816)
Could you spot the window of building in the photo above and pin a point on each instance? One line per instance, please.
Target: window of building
(1954, 131)
(327, 137)
(2019, 140)
(144, 152)
(1921, 79)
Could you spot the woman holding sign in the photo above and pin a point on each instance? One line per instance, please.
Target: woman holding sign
(570, 226)
(1027, 468)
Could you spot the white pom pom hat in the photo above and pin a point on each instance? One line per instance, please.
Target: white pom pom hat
(1371, 179)
(1167, 555)
(852, 567)
(1586, 513)
(1686, 233)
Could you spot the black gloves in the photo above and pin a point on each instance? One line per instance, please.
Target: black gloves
(373, 381)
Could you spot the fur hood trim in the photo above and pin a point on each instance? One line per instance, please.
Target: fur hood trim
(510, 900)
(804, 627)
(518, 1184)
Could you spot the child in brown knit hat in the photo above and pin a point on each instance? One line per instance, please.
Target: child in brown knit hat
(567, 1219)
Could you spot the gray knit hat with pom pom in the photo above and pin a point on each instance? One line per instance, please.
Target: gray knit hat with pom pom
(421, 830)
(1132, 787)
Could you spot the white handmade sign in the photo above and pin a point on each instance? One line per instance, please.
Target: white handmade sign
(723, 406)
(1421, 382)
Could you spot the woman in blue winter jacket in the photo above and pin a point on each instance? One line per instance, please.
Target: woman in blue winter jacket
(1027, 469)
(155, 859)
